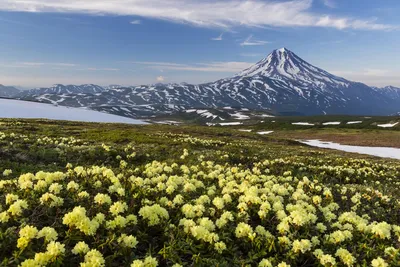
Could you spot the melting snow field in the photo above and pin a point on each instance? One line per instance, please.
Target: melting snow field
(30, 110)
(388, 125)
(354, 122)
(240, 116)
(230, 123)
(264, 133)
(332, 123)
(168, 122)
(303, 123)
(245, 130)
(383, 152)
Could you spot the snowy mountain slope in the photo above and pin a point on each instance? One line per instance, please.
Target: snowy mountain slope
(282, 83)
(389, 91)
(10, 108)
(63, 89)
(8, 91)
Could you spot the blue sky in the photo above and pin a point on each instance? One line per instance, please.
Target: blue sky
(131, 42)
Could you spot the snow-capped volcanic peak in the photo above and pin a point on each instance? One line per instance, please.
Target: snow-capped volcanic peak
(283, 64)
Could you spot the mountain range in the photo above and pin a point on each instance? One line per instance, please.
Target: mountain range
(282, 84)
(8, 91)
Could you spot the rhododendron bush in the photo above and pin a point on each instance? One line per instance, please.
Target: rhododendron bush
(201, 209)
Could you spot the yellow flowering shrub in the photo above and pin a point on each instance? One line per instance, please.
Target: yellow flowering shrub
(206, 203)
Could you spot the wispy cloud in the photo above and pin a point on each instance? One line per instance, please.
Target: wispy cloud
(250, 42)
(228, 67)
(219, 38)
(329, 3)
(222, 14)
(136, 22)
(37, 64)
(99, 69)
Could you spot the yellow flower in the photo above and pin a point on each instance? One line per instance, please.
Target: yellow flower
(128, 241)
(72, 186)
(80, 248)
(48, 233)
(381, 230)
(93, 259)
(265, 263)
(4, 217)
(244, 230)
(83, 194)
(220, 247)
(345, 256)
(219, 203)
(118, 207)
(42, 259)
(379, 262)
(55, 249)
(302, 246)
(26, 234)
(29, 263)
(7, 172)
(17, 207)
(55, 188)
(102, 199)
(154, 214)
(10, 198)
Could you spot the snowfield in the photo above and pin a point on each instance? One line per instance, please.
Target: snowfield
(383, 152)
(388, 125)
(332, 123)
(354, 122)
(266, 132)
(230, 123)
(303, 123)
(31, 110)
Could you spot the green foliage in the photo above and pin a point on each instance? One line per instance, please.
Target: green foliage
(194, 196)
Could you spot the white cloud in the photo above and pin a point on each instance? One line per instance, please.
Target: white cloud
(329, 3)
(136, 22)
(37, 64)
(228, 67)
(250, 42)
(100, 69)
(219, 38)
(222, 14)
(160, 79)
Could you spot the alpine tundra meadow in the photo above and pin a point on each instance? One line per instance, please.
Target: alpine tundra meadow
(134, 196)
(199, 133)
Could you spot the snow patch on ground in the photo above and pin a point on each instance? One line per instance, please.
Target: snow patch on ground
(388, 125)
(31, 110)
(168, 122)
(332, 123)
(230, 123)
(383, 152)
(245, 130)
(303, 123)
(354, 122)
(266, 116)
(240, 116)
(266, 132)
(202, 112)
